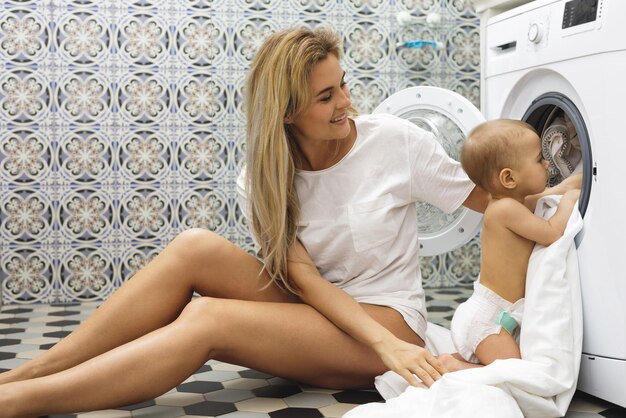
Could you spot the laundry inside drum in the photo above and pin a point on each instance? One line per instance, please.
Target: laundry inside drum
(560, 146)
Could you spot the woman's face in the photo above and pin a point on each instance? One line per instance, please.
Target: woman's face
(326, 117)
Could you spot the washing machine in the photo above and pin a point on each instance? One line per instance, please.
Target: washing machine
(568, 57)
(450, 117)
(560, 66)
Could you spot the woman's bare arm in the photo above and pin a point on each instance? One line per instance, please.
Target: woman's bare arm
(342, 310)
(477, 200)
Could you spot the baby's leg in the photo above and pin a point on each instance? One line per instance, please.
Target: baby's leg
(497, 346)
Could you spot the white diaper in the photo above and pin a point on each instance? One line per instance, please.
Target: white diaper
(479, 317)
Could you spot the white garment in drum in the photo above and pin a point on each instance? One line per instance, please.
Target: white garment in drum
(358, 218)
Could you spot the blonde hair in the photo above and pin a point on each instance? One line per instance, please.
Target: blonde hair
(278, 88)
(490, 147)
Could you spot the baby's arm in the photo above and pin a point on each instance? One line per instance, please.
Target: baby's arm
(521, 221)
(573, 182)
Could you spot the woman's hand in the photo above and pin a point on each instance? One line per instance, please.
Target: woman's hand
(409, 360)
(342, 310)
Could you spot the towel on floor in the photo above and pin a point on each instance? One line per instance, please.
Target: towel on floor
(542, 383)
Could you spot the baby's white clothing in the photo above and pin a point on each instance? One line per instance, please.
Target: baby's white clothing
(477, 318)
(358, 218)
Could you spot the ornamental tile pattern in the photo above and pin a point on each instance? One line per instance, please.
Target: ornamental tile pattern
(122, 123)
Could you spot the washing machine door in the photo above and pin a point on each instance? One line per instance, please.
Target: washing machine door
(450, 117)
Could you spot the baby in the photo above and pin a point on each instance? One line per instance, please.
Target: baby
(504, 158)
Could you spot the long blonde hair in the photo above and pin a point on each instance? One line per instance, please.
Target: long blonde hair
(278, 88)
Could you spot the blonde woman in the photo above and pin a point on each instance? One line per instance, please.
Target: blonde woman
(336, 297)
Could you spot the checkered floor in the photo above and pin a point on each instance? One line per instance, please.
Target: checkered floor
(226, 390)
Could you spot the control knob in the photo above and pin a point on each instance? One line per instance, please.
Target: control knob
(535, 32)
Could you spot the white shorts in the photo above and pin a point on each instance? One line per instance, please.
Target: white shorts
(478, 317)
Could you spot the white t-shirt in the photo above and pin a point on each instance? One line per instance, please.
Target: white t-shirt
(358, 218)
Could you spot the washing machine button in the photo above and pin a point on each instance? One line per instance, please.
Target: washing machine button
(535, 33)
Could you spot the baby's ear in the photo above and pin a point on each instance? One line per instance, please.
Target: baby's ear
(506, 178)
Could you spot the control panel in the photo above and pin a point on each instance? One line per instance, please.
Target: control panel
(579, 12)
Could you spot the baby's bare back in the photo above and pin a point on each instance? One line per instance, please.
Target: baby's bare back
(504, 259)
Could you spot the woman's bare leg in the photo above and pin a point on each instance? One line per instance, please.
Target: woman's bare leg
(197, 260)
(285, 339)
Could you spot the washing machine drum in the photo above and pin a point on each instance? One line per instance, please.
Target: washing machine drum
(449, 116)
(565, 142)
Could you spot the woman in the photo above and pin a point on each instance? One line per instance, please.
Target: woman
(336, 298)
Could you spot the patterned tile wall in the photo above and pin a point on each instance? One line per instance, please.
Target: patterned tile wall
(121, 123)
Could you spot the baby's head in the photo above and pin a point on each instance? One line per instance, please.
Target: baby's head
(493, 146)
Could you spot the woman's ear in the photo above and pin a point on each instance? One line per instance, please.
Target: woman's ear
(288, 120)
(506, 178)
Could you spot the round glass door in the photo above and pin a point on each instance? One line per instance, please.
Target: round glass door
(450, 117)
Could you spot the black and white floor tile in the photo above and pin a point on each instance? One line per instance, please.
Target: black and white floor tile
(225, 390)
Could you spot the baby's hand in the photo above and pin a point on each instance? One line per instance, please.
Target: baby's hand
(573, 194)
(575, 181)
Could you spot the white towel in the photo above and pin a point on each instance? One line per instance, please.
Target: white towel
(542, 383)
